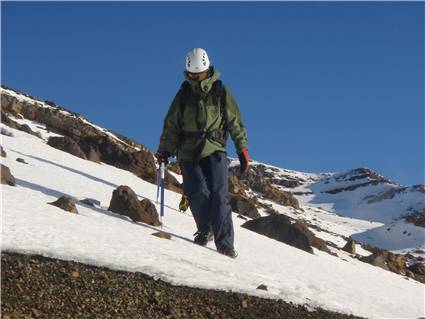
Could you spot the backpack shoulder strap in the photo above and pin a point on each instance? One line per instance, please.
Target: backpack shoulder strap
(220, 96)
(184, 95)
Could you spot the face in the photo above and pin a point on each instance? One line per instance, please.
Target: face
(198, 76)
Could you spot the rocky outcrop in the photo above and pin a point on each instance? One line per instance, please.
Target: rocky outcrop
(95, 144)
(15, 125)
(244, 206)
(395, 263)
(6, 176)
(175, 168)
(236, 185)
(256, 180)
(3, 152)
(124, 202)
(368, 176)
(288, 231)
(66, 144)
(66, 203)
(361, 173)
(417, 218)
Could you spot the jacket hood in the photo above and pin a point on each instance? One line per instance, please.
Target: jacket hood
(202, 88)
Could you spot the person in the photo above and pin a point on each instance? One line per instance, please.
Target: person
(199, 120)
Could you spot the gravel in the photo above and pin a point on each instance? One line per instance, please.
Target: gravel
(39, 287)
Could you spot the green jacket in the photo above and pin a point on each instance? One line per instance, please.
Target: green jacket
(200, 114)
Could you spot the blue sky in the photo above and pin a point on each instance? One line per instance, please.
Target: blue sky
(322, 87)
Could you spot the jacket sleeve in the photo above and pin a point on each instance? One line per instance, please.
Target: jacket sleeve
(170, 134)
(234, 122)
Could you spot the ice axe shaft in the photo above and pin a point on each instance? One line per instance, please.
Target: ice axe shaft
(158, 183)
(162, 179)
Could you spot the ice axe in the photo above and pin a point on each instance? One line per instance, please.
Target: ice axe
(162, 185)
(160, 194)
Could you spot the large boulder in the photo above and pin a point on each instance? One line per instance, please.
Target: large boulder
(66, 144)
(66, 203)
(244, 206)
(6, 176)
(288, 231)
(124, 202)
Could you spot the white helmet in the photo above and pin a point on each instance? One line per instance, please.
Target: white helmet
(197, 60)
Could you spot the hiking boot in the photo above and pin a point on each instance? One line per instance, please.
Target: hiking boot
(229, 252)
(202, 238)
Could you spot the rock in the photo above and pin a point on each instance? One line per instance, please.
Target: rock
(175, 168)
(3, 152)
(6, 132)
(262, 287)
(6, 176)
(162, 235)
(21, 160)
(90, 202)
(236, 186)
(244, 206)
(96, 145)
(376, 260)
(350, 246)
(242, 217)
(92, 155)
(273, 193)
(418, 219)
(394, 262)
(150, 214)
(288, 231)
(124, 202)
(48, 285)
(12, 124)
(260, 181)
(66, 203)
(66, 144)
(418, 268)
(75, 273)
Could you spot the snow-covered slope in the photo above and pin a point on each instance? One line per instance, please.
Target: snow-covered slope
(359, 203)
(99, 237)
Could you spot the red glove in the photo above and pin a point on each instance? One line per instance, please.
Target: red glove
(243, 160)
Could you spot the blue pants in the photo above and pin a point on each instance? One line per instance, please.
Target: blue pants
(207, 187)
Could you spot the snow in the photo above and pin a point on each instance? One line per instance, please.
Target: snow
(99, 237)
(38, 103)
(22, 98)
(396, 236)
(36, 127)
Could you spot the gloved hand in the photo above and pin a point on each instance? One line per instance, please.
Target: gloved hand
(243, 160)
(162, 156)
